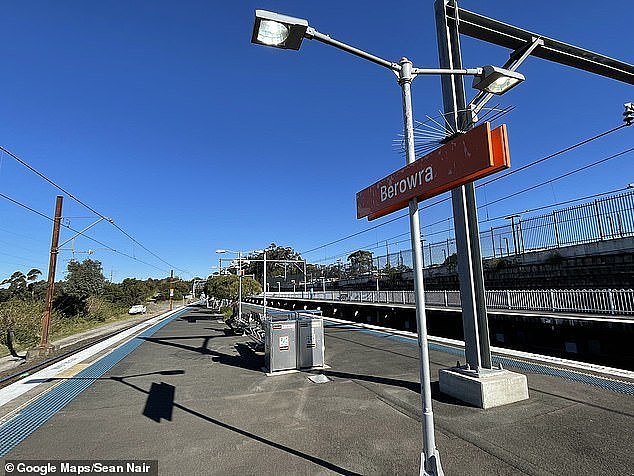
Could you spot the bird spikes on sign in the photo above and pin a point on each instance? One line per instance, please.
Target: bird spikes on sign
(434, 131)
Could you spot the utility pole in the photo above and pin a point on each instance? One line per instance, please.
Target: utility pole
(171, 289)
(45, 347)
(264, 286)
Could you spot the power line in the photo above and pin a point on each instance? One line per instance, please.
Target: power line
(41, 175)
(593, 164)
(100, 215)
(531, 164)
(26, 207)
(486, 220)
(109, 248)
(548, 157)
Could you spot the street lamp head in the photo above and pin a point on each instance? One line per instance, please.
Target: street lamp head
(221, 251)
(496, 80)
(280, 31)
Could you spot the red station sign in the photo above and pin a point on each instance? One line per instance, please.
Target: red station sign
(467, 157)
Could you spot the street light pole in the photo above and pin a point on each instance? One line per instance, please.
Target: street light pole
(264, 286)
(281, 31)
(430, 459)
(240, 285)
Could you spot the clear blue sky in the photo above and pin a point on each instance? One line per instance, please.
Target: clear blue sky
(163, 116)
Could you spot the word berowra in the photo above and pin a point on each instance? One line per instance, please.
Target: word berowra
(406, 184)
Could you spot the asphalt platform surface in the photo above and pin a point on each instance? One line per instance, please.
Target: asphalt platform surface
(194, 397)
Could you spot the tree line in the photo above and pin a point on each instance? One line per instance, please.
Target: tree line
(83, 297)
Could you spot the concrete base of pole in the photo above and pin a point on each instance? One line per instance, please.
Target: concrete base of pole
(40, 352)
(484, 389)
(433, 467)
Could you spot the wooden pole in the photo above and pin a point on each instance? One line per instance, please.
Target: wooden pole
(52, 264)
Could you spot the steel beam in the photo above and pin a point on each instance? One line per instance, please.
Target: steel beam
(509, 36)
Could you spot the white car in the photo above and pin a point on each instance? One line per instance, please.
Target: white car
(138, 309)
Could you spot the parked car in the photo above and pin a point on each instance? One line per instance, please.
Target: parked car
(138, 309)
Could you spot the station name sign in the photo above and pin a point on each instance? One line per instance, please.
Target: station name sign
(467, 157)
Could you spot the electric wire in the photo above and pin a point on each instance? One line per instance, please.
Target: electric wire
(68, 227)
(530, 164)
(487, 220)
(100, 215)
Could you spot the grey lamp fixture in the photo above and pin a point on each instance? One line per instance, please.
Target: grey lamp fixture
(280, 31)
(496, 80)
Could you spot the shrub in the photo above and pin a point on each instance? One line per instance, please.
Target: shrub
(24, 318)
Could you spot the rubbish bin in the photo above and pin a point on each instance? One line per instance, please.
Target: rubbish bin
(310, 341)
(280, 345)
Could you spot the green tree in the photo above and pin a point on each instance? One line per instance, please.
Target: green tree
(17, 284)
(273, 252)
(361, 262)
(31, 278)
(20, 285)
(227, 287)
(84, 279)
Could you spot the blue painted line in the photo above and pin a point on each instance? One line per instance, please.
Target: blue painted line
(17, 429)
(618, 386)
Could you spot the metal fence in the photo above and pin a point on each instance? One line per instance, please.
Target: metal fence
(615, 302)
(602, 219)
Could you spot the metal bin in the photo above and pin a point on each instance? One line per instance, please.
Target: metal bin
(310, 341)
(280, 346)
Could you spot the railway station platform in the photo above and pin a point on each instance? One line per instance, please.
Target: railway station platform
(188, 393)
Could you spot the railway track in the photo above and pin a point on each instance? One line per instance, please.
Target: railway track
(25, 369)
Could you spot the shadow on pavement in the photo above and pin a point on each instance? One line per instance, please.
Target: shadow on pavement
(116, 378)
(160, 402)
(414, 386)
(248, 359)
(163, 398)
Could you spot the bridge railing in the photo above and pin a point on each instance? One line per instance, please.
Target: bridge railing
(585, 301)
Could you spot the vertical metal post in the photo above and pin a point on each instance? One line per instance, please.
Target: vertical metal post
(264, 287)
(514, 235)
(493, 242)
(305, 278)
(171, 289)
(430, 459)
(52, 265)
(239, 284)
(471, 275)
(387, 254)
(556, 229)
(596, 211)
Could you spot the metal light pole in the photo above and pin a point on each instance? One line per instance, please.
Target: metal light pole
(264, 286)
(281, 31)
(240, 284)
(430, 459)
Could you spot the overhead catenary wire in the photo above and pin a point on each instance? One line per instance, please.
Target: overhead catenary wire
(443, 200)
(532, 187)
(68, 227)
(81, 202)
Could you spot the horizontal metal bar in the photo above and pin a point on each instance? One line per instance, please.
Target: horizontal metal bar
(615, 302)
(468, 71)
(502, 34)
(311, 33)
